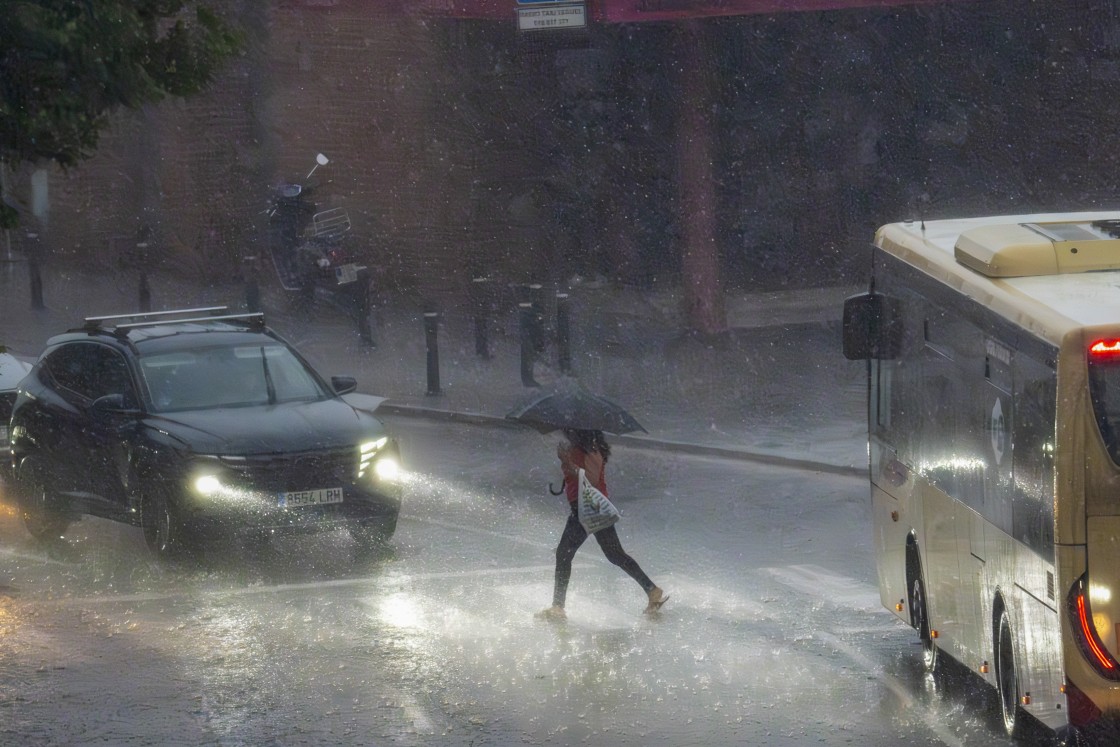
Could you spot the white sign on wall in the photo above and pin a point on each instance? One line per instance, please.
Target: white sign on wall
(545, 17)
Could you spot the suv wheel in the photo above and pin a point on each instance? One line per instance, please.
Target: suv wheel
(164, 531)
(42, 515)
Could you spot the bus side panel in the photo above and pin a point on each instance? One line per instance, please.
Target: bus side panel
(996, 466)
(891, 524)
(943, 529)
(919, 409)
(1040, 647)
(973, 638)
(940, 546)
(967, 411)
(1017, 575)
(893, 519)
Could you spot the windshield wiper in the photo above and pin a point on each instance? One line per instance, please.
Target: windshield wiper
(268, 378)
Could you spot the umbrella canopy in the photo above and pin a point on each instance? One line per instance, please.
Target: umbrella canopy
(567, 404)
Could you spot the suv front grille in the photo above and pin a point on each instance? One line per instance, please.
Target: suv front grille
(302, 471)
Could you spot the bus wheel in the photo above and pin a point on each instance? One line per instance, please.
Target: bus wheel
(1007, 679)
(919, 613)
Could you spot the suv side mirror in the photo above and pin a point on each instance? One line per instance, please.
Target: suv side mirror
(343, 384)
(872, 327)
(110, 404)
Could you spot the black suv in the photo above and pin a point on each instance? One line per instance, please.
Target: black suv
(196, 425)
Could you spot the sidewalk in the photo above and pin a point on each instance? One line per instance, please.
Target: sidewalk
(775, 388)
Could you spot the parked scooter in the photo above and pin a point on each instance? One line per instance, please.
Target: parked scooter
(311, 259)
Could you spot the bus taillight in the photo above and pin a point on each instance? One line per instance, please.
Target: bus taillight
(1105, 350)
(1092, 648)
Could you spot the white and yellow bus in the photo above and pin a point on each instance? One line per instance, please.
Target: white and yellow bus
(993, 350)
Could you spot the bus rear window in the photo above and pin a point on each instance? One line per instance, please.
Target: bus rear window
(1104, 390)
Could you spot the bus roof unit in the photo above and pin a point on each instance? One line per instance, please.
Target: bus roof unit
(1023, 266)
(1031, 249)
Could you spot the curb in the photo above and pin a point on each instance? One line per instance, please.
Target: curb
(637, 442)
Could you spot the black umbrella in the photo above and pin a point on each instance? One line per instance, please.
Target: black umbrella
(567, 404)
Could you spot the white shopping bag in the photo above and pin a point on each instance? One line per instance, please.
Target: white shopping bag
(595, 510)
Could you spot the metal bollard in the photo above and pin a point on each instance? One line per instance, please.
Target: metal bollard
(563, 334)
(364, 306)
(536, 297)
(34, 272)
(252, 284)
(482, 336)
(144, 291)
(431, 328)
(481, 317)
(525, 316)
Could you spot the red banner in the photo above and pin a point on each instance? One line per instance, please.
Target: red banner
(496, 10)
(631, 11)
(628, 11)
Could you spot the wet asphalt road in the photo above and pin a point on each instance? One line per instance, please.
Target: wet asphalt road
(773, 636)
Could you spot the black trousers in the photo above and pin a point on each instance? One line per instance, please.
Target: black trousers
(574, 535)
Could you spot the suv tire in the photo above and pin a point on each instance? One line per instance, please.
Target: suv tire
(43, 516)
(165, 533)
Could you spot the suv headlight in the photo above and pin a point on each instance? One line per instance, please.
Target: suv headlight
(207, 484)
(387, 469)
(210, 478)
(380, 459)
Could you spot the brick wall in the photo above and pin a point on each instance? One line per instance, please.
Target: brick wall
(460, 147)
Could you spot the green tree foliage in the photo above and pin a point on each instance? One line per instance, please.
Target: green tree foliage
(66, 65)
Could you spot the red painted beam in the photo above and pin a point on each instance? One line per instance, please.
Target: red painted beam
(636, 11)
(630, 11)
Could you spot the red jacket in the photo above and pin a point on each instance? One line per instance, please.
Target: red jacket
(572, 460)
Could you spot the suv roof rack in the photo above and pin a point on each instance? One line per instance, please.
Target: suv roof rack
(174, 316)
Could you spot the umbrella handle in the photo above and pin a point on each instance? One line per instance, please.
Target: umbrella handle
(556, 492)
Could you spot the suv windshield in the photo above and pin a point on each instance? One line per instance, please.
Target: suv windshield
(227, 376)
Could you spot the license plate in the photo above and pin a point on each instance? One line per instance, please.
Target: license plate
(309, 497)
